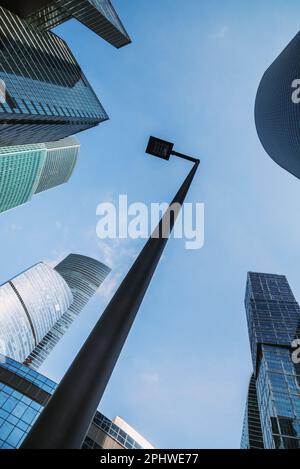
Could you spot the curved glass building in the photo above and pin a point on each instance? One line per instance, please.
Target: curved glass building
(26, 170)
(277, 109)
(20, 169)
(60, 160)
(47, 96)
(84, 276)
(30, 304)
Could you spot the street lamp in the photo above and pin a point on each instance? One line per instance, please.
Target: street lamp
(163, 149)
(160, 148)
(64, 422)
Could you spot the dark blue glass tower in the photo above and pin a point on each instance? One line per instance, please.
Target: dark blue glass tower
(277, 109)
(98, 15)
(273, 317)
(47, 96)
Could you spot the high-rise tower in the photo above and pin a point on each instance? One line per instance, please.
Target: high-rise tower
(60, 160)
(84, 276)
(98, 15)
(30, 304)
(273, 317)
(26, 170)
(38, 306)
(47, 97)
(277, 108)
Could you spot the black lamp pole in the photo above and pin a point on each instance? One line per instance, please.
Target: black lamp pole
(64, 422)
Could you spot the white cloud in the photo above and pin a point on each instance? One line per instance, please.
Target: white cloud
(109, 287)
(221, 33)
(150, 377)
(118, 256)
(108, 252)
(14, 227)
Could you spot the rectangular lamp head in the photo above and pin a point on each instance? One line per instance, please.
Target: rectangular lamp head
(159, 148)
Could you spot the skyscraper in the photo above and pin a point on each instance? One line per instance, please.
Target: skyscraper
(23, 395)
(277, 109)
(47, 96)
(38, 306)
(273, 317)
(30, 304)
(84, 276)
(26, 170)
(98, 15)
(60, 160)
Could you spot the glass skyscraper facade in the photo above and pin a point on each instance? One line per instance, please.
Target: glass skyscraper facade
(28, 169)
(60, 160)
(30, 304)
(84, 276)
(98, 15)
(47, 96)
(20, 169)
(23, 395)
(273, 317)
(252, 434)
(277, 109)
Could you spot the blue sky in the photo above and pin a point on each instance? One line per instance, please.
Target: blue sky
(190, 76)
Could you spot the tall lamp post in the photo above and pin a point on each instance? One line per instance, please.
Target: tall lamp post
(64, 422)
